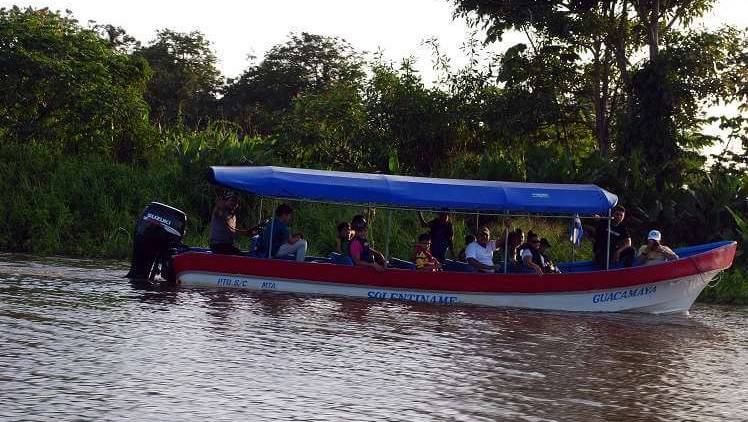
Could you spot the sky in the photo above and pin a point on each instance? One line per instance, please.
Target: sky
(238, 29)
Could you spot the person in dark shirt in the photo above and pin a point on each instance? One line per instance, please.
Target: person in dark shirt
(620, 240)
(442, 235)
(529, 252)
(223, 230)
(283, 243)
(516, 239)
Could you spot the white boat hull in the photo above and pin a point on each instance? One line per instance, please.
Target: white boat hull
(662, 297)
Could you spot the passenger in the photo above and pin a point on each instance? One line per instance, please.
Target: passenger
(530, 254)
(422, 255)
(223, 230)
(359, 250)
(284, 243)
(550, 266)
(655, 252)
(442, 235)
(620, 240)
(357, 220)
(468, 240)
(516, 238)
(479, 254)
(343, 239)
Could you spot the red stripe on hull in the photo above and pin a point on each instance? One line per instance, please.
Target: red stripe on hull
(716, 259)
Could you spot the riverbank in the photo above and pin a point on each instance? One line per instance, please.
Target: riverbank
(83, 206)
(730, 288)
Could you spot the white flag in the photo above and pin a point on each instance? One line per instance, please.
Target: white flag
(576, 233)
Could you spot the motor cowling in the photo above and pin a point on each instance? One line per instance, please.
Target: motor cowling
(157, 237)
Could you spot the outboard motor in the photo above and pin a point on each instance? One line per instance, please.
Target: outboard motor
(158, 236)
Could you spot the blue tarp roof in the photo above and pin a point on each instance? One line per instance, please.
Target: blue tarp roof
(415, 192)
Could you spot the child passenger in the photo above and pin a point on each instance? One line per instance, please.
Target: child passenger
(343, 239)
(422, 255)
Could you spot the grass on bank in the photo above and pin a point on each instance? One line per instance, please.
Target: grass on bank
(85, 206)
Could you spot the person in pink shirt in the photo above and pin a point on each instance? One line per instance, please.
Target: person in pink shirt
(360, 251)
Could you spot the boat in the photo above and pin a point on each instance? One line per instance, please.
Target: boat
(665, 288)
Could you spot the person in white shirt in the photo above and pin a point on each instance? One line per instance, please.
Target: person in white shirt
(479, 254)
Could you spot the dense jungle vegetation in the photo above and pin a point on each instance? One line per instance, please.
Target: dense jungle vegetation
(94, 124)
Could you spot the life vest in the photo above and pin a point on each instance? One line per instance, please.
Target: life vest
(536, 256)
(366, 254)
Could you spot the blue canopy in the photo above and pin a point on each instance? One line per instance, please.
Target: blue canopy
(415, 192)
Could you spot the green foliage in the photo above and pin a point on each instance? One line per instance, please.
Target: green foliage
(730, 287)
(58, 204)
(64, 86)
(741, 222)
(407, 119)
(185, 78)
(580, 101)
(326, 129)
(306, 63)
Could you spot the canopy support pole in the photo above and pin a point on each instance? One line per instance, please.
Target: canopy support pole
(389, 232)
(477, 222)
(506, 246)
(607, 254)
(370, 220)
(573, 253)
(272, 224)
(259, 213)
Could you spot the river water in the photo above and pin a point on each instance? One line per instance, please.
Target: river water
(79, 342)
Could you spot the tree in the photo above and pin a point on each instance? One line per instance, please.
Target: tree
(668, 99)
(185, 81)
(63, 85)
(735, 82)
(326, 129)
(117, 38)
(306, 63)
(657, 17)
(539, 110)
(409, 124)
(610, 33)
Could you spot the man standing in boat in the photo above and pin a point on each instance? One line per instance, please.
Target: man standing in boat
(442, 235)
(223, 230)
(283, 243)
(620, 240)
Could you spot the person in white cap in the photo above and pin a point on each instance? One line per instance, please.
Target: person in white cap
(655, 252)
